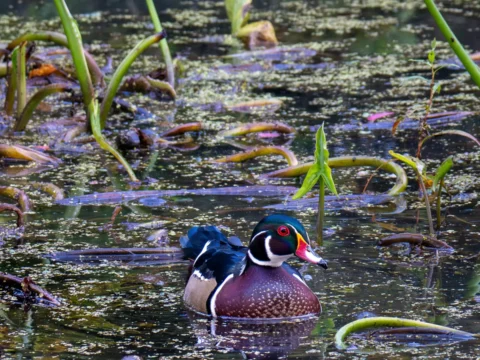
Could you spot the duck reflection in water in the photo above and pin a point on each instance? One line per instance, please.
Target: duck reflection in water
(254, 339)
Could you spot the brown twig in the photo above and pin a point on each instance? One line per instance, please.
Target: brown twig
(20, 216)
(29, 285)
(414, 239)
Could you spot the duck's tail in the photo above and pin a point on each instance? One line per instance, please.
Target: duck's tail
(197, 237)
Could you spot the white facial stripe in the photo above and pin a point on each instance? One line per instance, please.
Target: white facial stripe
(261, 232)
(275, 260)
(214, 297)
(205, 247)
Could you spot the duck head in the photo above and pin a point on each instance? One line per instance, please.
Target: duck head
(278, 237)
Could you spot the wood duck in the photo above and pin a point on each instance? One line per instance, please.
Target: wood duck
(232, 281)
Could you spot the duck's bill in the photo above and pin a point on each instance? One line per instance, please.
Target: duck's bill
(305, 252)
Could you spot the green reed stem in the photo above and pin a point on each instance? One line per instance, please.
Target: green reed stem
(427, 202)
(321, 210)
(12, 86)
(61, 39)
(35, 100)
(439, 205)
(163, 43)
(21, 65)
(375, 322)
(76, 48)
(97, 133)
(456, 46)
(120, 73)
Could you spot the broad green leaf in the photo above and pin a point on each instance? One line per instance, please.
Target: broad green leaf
(319, 168)
(405, 159)
(238, 13)
(311, 179)
(442, 171)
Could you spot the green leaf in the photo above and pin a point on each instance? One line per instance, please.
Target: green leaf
(238, 13)
(431, 57)
(319, 168)
(415, 163)
(434, 44)
(311, 179)
(442, 171)
(437, 88)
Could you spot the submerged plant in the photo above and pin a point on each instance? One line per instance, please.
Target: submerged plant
(319, 172)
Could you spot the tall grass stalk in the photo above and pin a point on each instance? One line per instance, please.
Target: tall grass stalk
(12, 86)
(452, 40)
(163, 43)
(21, 64)
(120, 73)
(76, 48)
(35, 100)
(60, 39)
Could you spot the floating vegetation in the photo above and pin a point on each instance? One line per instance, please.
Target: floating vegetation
(375, 322)
(261, 151)
(258, 127)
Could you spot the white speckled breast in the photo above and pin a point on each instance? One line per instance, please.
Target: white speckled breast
(266, 292)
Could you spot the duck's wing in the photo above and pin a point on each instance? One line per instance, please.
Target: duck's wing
(294, 272)
(213, 254)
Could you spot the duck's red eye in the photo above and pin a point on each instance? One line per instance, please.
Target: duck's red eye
(283, 230)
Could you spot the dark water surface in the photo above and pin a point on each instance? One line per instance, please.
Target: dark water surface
(358, 53)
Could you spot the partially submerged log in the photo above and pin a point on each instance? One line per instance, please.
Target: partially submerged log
(415, 239)
(30, 292)
(135, 255)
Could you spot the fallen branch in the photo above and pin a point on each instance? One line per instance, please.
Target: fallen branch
(20, 215)
(414, 239)
(25, 285)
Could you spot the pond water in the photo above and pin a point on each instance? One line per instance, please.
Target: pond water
(354, 60)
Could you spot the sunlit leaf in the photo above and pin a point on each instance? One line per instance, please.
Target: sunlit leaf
(437, 88)
(319, 168)
(406, 159)
(442, 171)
